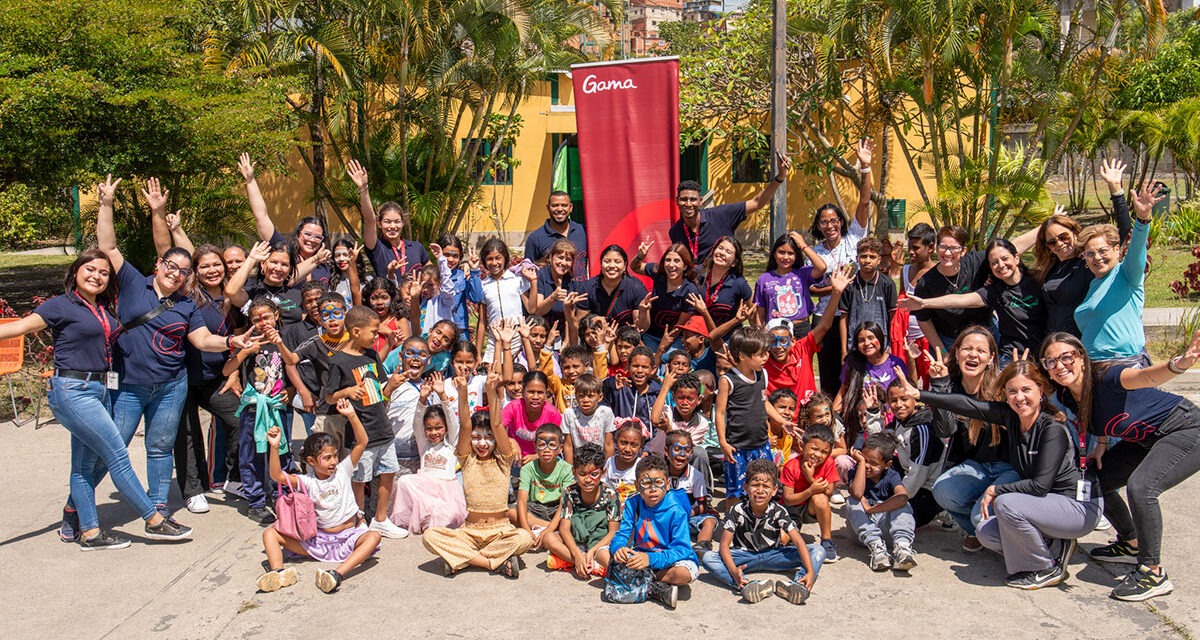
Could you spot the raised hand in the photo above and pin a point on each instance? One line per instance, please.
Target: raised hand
(608, 330)
(274, 435)
(358, 175)
(937, 364)
(839, 279)
(435, 250)
(697, 302)
(173, 220)
(259, 252)
(644, 249)
(909, 389)
(746, 310)
(396, 265)
(460, 383)
(246, 167)
(798, 238)
(647, 302)
(1112, 171)
(552, 335)
(107, 189)
(864, 152)
(524, 328)
(530, 274)
(155, 196)
(472, 259)
(870, 396)
(1017, 355)
(1145, 198)
(354, 253)
(345, 408)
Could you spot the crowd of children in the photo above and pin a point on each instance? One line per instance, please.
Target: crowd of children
(641, 436)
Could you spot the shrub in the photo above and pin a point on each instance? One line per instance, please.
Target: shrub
(25, 221)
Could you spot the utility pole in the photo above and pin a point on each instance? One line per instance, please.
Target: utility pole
(778, 224)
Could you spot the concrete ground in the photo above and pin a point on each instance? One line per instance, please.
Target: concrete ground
(205, 588)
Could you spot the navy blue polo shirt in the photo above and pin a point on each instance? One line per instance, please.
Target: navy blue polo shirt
(546, 285)
(724, 296)
(287, 297)
(715, 223)
(665, 311)
(541, 239)
(151, 353)
(384, 253)
(205, 366)
(320, 273)
(619, 305)
(79, 341)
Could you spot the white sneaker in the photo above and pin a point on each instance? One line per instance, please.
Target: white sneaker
(197, 504)
(1104, 524)
(837, 499)
(388, 529)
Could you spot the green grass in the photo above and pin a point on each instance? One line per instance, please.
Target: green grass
(27, 261)
(1167, 265)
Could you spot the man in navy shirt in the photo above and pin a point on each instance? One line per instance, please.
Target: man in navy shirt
(699, 229)
(559, 225)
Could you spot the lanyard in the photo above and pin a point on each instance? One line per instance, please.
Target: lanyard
(1083, 451)
(103, 319)
(616, 294)
(402, 255)
(693, 239)
(710, 295)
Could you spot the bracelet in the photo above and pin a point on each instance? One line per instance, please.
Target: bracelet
(780, 180)
(228, 341)
(1173, 367)
(865, 170)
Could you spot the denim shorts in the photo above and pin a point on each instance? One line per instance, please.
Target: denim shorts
(695, 522)
(691, 566)
(376, 461)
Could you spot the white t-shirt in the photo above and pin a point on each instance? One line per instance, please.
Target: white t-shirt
(623, 482)
(476, 395)
(846, 252)
(333, 497)
(400, 415)
(503, 299)
(438, 459)
(692, 482)
(584, 429)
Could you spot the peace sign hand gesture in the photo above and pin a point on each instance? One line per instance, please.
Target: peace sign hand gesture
(909, 390)
(644, 249)
(107, 189)
(937, 364)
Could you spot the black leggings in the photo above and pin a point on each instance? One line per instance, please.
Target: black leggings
(829, 359)
(191, 465)
(1146, 473)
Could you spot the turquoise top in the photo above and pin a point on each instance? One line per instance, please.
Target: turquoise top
(1110, 317)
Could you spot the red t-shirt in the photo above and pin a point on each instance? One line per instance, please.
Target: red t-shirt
(793, 477)
(797, 372)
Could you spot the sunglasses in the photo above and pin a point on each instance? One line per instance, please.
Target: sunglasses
(1053, 241)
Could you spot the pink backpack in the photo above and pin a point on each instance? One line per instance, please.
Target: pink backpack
(296, 517)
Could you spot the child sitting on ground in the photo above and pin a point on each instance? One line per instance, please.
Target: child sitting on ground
(654, 533)
(751, 541)
(589, 421)
(487, 539)
(920, 453)
(542, 482)
(878, 505)
(687, 478)
(354, 374)
(341, 534)
(432, 497)
(620, 470)
(808, 485)
(591, 513)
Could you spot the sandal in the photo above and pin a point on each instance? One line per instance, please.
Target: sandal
(509, 568)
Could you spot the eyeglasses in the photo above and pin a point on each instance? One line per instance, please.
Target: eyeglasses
(1066, 359)
(1053, 241)
(415, 353)
(780, 341)
(542, 445)
(337, 313)
(308, 235)
(679, 449)
(653, 483)
(947, 248)
(170, 268)
(832, 222)
(1101, 252)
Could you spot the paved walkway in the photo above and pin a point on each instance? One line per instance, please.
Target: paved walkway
(205, 588)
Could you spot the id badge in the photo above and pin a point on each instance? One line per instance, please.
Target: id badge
(1083, 491)
(111, 381)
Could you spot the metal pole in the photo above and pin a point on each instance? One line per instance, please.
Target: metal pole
(779, 116)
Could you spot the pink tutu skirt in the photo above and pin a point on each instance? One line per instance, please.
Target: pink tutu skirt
(334, 547)
(422, 501)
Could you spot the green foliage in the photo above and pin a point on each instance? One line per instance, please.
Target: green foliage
(1184, 223)
(26, 221)
(91, 87)
(1171, 75)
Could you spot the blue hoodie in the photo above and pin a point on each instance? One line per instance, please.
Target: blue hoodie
(661, 531)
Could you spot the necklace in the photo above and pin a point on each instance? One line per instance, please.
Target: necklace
(863, 290)
(953, 283)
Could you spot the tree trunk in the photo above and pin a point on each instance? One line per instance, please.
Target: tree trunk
(317, 137)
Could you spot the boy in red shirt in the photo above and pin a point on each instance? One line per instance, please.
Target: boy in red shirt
(808, 481)
(790, 363)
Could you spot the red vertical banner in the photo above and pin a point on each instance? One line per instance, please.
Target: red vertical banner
(627, 114)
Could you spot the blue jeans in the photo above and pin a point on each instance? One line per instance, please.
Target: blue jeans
(162, 406)
(959, 488)
(96, 446)
(779, 559)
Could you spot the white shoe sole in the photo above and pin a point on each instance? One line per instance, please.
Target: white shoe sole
(203, 509)
(1160, 590)
(111, 547)
(398, 533)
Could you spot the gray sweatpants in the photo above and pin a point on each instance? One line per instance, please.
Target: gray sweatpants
(897, 525)
(1022, 526)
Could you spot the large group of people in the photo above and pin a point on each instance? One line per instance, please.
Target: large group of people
(643, 423)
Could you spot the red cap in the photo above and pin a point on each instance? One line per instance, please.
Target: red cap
(695, 324)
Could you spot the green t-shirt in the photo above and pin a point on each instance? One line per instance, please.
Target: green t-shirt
(546, 488)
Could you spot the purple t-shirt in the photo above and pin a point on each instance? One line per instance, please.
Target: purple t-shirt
(785, 296)
(880, 374)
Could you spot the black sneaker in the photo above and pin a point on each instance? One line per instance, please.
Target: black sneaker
(1031, 580)
(1065, 552)
(1142, 584)
(667, 594)
(261, 515)
(328, 580)
(103, 541)
(168, 530)
(1119, 551)
(68, 531)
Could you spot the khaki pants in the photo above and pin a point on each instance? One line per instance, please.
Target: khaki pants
(497, 541)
